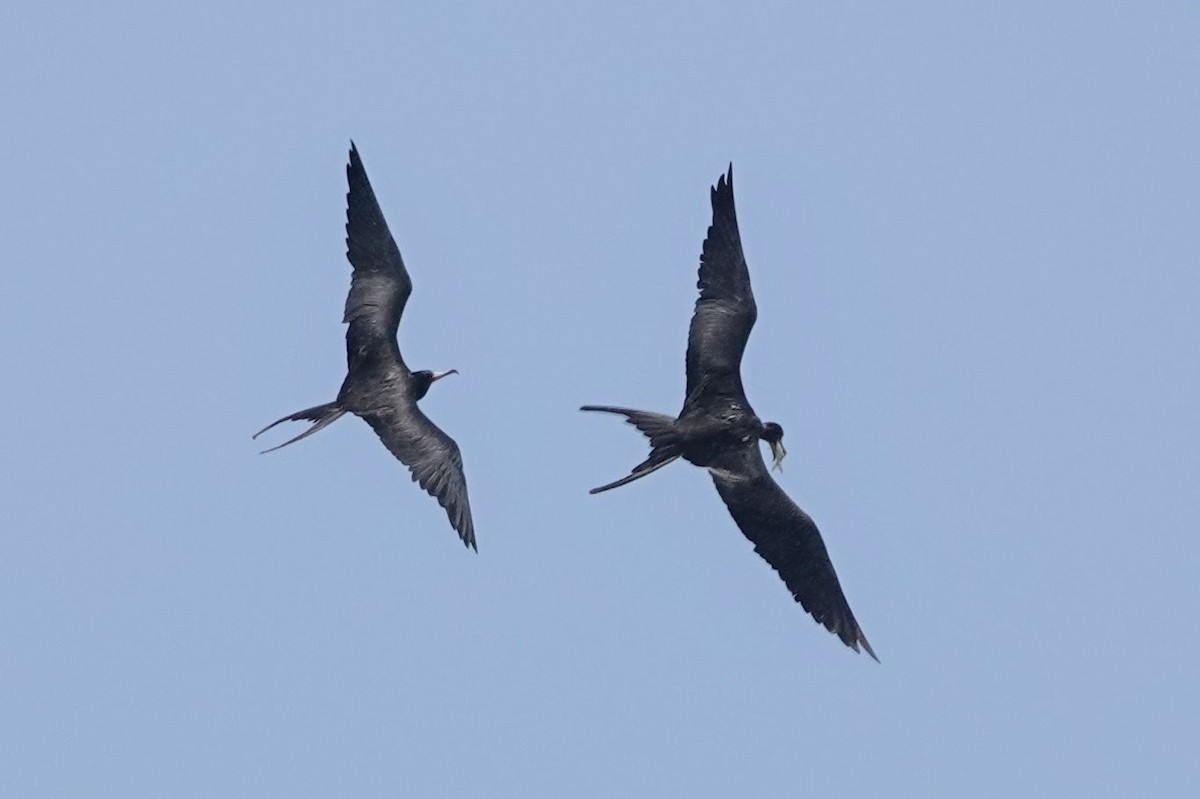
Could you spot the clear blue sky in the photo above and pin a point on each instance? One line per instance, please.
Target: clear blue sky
(973, 232)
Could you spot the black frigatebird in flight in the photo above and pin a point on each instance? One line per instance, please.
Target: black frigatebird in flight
(718, 430)
(379, 387)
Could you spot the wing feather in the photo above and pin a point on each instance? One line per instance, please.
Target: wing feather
(788, 540)
(725, 311)
(433, 458)
(380, 286)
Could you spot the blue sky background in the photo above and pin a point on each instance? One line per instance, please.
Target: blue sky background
(972, 231)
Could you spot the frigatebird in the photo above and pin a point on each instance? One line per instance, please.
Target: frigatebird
(718, 430)
(379, 387)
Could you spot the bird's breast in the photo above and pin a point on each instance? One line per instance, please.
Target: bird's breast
(372, 393)
(710, 439)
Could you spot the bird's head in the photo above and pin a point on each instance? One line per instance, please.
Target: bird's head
(423, 379)
(772, 433)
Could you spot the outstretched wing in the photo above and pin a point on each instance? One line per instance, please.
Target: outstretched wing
(381, 285)
(432, 457)
(725, 311)
(786, 538)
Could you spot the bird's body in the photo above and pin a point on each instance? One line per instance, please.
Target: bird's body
(379, 387)
(718, 430)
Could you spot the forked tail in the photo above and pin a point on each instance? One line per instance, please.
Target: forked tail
(658, 427)
(320, 415)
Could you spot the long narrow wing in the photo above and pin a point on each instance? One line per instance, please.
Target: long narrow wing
(725, 311)
(787, 539)
(380, 286)
(433, 458)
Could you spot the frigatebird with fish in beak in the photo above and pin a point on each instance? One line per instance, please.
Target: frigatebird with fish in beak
(379, 387)
(718, 430)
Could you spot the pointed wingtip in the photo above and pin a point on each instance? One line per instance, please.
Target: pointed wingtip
(862, 641)
(722, 192)
(354, 164)
(726, 180)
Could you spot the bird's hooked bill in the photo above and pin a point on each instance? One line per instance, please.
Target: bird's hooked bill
(777, 453)
(440, 375)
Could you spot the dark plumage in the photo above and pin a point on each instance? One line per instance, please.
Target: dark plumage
(718, 430)
(379, 386)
